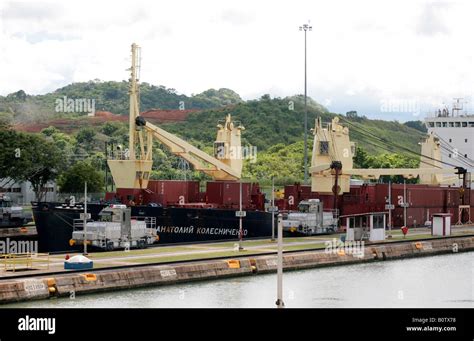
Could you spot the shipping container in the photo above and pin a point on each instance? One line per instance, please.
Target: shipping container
(227, 193)
(173, 192)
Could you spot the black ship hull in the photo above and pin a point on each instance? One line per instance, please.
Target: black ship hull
(54, 224)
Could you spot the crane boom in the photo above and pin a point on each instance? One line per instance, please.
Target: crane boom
(332, 144)
(200, 160)
(375, 173)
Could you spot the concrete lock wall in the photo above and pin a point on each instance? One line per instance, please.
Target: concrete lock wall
(95, 281)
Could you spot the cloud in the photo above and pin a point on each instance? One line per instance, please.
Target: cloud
(236, 17)
(369, 49)
(30, 11)
(432, 21)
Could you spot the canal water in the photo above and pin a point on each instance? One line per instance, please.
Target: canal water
(440, 281)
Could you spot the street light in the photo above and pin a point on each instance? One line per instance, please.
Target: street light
(279, 302)
(305, 28)
(273, 209)
(84, 221)
(241, 213)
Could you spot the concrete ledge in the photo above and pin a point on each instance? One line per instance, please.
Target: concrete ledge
(97, 281)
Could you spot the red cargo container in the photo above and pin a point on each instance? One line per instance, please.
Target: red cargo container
(125, 196)
(227, 194)
(169, 192)
(423, 201)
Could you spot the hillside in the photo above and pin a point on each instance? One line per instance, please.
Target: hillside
(269, 122)
(273, 125)
(110, 96)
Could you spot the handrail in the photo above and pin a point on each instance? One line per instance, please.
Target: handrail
(25, 261)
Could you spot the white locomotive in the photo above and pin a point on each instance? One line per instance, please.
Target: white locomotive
(310, 220)
(115, 230)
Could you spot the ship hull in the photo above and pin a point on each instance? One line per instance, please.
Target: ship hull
(54, 224)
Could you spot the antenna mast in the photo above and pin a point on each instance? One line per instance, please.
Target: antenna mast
(457, 106)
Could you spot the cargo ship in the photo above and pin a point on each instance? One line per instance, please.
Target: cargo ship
(175, 222)
(230, 210)
(444, 186)
(227, 209)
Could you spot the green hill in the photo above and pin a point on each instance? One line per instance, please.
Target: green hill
(273, 125)
(109, 96)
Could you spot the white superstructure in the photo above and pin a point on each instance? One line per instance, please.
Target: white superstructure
(455, 131)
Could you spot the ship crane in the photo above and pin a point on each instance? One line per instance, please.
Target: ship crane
(214, 167)
(131, 168)
(332, 164)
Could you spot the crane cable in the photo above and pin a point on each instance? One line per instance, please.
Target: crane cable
(384, 141)
(389, 149)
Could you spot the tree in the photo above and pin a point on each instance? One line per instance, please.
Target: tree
(29, 157)
(418, 125)
(351, 114)
(110, 128)
(50, 131)
(19, 95)
(361, 158)
(5, 120)
(85, 135)
(72, 180)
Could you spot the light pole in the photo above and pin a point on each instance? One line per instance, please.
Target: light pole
(404, 202)
(273, 209)
(240, 217)
(305, 28)
(85, 218)
(279, 302)
(390, 208)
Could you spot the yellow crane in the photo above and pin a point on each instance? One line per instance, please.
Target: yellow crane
(131, 168)
(332, 164)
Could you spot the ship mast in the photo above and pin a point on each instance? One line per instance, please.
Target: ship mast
(129, 170)
(457, 106)
(134, 101)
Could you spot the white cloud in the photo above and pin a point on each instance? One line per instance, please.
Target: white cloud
(367, 49)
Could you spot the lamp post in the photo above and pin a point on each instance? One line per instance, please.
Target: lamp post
(279, 302)
(85, 218)
(390, 208)
(405, 202)
(305, 28)
(240, 217)
(273, 209)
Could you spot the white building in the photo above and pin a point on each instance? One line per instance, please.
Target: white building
(22, 192)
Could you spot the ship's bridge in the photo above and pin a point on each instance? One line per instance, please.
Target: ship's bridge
(456, 135)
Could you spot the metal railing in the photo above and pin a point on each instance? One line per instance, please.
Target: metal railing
(25, 261)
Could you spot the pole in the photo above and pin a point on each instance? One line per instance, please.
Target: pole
(279, 302)
(404, 202)
(85, 218)
(106, 187)
(390, 208)
(305, 117)
(240, 217)
(273, 209)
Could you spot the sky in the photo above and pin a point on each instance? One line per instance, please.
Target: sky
(385, 59)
